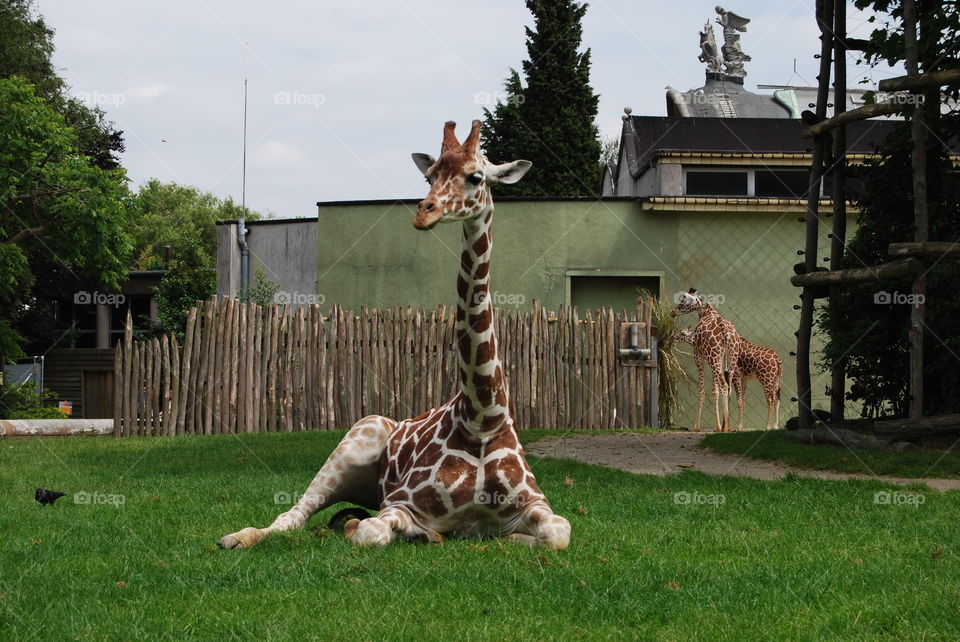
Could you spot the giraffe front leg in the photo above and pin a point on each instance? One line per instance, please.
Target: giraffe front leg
(701, 393)
(381, 530)
(540, 527)
(349, 474)
(717, 391)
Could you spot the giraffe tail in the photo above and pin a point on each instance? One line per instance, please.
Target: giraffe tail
(779, 376)
(341, 518)
(727, 367)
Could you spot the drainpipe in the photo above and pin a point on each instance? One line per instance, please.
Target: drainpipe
(244, 258)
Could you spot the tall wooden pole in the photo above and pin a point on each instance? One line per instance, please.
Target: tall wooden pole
(825, 23)
(918, 134)
(839, 232)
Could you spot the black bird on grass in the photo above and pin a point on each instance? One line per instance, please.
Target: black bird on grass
(47, 497)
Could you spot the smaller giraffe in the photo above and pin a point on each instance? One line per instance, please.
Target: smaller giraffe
(716, 342)
(755, 362)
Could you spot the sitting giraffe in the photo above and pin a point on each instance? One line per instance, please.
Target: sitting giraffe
(755, 362)
(715, 340)
(458, 468)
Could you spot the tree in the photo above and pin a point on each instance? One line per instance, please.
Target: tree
(55, 202)
(550, 121)
(867, 331)
(185, 219)
(26, 52)
(185, 283)
(182, 217)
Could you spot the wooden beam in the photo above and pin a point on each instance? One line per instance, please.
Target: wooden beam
(929, 79)
(932, 249)
(881, 108)
(919, 166)
(838, 377)
(825, 23)
(907, 429)
(891, 270)
(821, 434)
(855, 44)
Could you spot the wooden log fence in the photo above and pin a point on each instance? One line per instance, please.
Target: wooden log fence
(240, 367)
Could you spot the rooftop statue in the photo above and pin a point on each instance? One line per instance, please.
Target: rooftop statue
(708, 50)
(733, 56)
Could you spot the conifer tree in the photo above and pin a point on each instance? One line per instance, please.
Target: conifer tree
(550, 119)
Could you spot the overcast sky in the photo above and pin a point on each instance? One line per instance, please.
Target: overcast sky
(340, 93)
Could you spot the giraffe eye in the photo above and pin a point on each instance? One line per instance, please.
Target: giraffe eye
(475, 179)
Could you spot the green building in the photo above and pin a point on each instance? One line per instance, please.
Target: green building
(710, 203)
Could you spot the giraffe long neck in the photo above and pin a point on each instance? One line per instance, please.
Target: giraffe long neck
(483, 406)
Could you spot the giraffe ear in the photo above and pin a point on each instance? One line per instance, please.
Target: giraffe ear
(423, 162)
(508, 173)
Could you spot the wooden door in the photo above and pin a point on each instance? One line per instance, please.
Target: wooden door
(97, 394)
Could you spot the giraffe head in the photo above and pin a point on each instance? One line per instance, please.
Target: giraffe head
(684, 336)
(460, 179)
(689, 302)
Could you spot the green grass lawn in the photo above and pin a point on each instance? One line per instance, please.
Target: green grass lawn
(776, 444)
(684, 557)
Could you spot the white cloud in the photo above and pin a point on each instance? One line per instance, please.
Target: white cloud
(276, 155)
(149, 91)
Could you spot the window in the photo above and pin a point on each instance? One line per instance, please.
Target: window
(760, 182)
(782, 183)
(702, 183)
(854, 185)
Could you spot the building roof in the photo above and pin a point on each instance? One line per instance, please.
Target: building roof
(724, 97)
(644, 137)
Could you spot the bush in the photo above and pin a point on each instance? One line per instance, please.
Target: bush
(21, 401)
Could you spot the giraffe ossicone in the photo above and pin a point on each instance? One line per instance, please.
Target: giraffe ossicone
(458, 468)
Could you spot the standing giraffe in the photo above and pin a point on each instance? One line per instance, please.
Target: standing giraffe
(754, 362)
(715, 340)
(458, 468)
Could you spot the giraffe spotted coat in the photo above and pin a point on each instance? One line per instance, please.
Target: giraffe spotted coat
(717, 343)
(754, 362)
(458, 468)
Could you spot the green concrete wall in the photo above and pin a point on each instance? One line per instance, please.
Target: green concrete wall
(370, 255)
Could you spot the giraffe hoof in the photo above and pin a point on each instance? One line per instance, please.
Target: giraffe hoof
(228, 542)
(350, 528)
(522, 538)
(431, 537)
(241, 539)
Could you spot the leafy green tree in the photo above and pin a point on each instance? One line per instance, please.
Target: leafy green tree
(867, 331)
(26, 51)
(55, 202)
(182, 217)
(185, 283)
(550, 120)
(185, 219)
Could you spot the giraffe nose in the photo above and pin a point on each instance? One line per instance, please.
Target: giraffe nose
(428, 214)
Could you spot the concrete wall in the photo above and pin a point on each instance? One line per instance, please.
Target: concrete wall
(286, 250)
(370, 254)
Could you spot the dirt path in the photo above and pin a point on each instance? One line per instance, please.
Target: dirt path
(667, 453)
